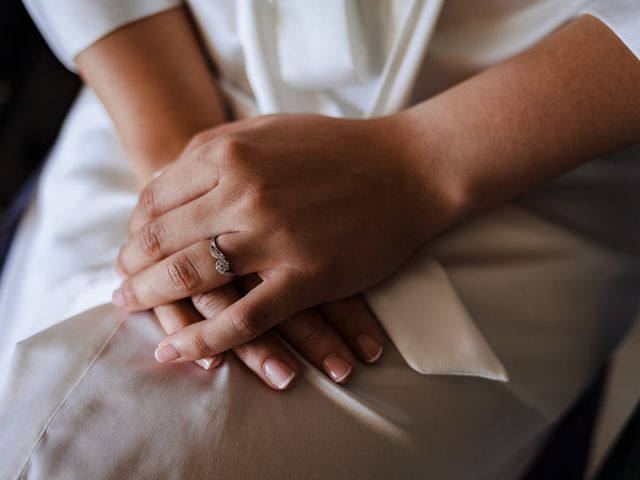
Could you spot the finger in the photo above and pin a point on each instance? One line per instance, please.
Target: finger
(178, 315)
(357, 325)
(247, 283)
(176, 230)
(181, 182)
(266, 356)
(310, 336)
(184, 274)
(270, 360)
(209, 304)
(277, 297)
(196, 172)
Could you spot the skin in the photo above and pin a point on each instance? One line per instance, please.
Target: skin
(320, 217)
(159, 91)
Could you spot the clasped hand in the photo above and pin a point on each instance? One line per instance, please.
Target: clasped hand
(309, 210)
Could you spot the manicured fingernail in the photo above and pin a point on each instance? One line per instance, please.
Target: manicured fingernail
(369, 348)
(209, 362)
(337, 367)
(166, 353)
(278, 373)
(117, 298)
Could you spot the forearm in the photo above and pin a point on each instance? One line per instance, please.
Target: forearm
(155, 83)
(570, 99)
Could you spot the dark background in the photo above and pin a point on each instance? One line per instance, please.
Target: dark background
(35, 93)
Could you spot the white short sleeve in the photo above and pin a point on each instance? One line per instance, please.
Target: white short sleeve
(621, 16)
(70, 26)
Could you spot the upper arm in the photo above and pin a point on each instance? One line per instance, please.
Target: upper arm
(144, 61)
(155, 81)
(622, 17)
(70, 26)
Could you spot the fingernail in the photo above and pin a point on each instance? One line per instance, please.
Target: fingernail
(278, 373)
(370, 348)
(117, 297)
(209, 362)
(166, 353)
(337, 367)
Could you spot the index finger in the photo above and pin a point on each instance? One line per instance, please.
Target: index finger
(193, 174)
(184, 274)
(275, 299)
(186, 179)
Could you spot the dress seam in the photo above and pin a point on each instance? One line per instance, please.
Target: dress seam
(42, 432)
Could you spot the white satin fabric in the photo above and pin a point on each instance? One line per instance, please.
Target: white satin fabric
(86, 398)
(541, 288)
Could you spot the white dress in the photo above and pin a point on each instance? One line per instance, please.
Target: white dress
(538, 290)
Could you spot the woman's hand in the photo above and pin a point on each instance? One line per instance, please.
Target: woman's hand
(319, 208)
(322, 336)
(155, 82)
(322, 208)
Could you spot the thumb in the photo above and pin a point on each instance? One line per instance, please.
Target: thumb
(275, 299)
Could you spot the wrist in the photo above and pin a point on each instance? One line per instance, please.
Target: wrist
(438, 187)
(151, 153)
(157, 145)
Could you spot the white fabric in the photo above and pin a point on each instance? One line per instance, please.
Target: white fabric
(250, 42)
(541, 288)
(305, 61)
(67, 37)
(621, 16)
(550, 302)
(76, 238)
(432, 330)
(272, 63)
(110, 411)
(58, 21)
(273, 80)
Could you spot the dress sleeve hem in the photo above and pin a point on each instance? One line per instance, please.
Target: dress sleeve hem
(70, 26)
(622, 17)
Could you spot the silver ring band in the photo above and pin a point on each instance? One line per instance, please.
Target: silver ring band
(222, 263)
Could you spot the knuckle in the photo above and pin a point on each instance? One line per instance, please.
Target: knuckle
(233, 152)
(148, 201)
(243, 351)
(198, 140)
(256, 197)
(201, 343)
(208, 304)
(205, 158)
(152, 239)
(229, 147)
(183, 274)
(257, 203)
(244, 328)
(129, 294)
(249, 323)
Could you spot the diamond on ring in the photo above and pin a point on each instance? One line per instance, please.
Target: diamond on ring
(222, 263)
